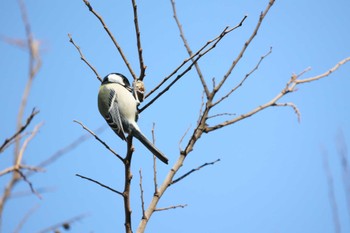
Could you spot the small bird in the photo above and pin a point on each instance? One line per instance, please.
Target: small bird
(118, 107)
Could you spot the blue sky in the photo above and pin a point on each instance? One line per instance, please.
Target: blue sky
(271, 176)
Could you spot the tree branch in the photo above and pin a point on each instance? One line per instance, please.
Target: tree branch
(98, 139)
(19, 131)
(82, 57)
(99, 183)
(138, 38)
(99, 17)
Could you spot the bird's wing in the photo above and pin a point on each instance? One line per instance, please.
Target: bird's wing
(113, 118)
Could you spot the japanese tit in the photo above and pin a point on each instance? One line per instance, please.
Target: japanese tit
(118, 107)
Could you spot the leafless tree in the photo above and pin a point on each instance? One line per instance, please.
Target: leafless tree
(212, 98)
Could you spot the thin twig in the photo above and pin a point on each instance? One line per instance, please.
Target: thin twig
(171, 207)
(138, 38)
(193, 170)
(244, 79)
(189, 51)
(99, 183)
(194, 61)
(19, 131)
(98, 139)
(105, 27)
(290, 87)
(82, 57)
(29, 183)
(245, 46)
(226, 31)
(325, 74)
(154, 162)
(292, 105)
(221, 114)
(141, 194)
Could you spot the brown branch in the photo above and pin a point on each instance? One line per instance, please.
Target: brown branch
(34, 66)
(170, 207)
(98, 139)
(99, 183)
(189, 51)
(194, 61)
(193, 170)
(29, 183)
(290, 87)
(141, 194)
(105, 27)
(245, 46)
(127, 185)
(292, 105)
(154, 163)
(82, 57)
(138, 38)
(226, 31)
(19, 131)
(244, 79)
(325, 74)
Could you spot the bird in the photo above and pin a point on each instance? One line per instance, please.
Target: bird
(118, 106)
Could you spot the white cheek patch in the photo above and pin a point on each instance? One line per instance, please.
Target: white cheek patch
(116, 78)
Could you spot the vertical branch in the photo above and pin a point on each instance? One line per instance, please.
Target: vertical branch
(127, 184)
(154, 163)
(34, 66)
(138, 38)
(245, 46)
(189, 51)
(105, 27)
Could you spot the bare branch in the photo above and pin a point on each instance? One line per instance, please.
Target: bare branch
(189, 51)
(98, 139)
(217, 39)
(244, 79)
(292, 105)
(99, 183)
(25, 144)
(171, 207)
(194, 61)
(154, 163)
(141, 194)
(193, 170)
(19, 131)
(222, 114)
(82, 57)
(29, 183)
(290, 87)
(34, 66)
(245, 46)
(327, 73)
(99, 17)
(182, 138)
(138, 38)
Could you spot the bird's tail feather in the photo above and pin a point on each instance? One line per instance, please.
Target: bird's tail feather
(142, 138)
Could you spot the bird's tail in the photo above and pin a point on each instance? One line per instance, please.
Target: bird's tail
(142, 138)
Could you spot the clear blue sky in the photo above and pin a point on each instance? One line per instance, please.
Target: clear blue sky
(271, 176)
